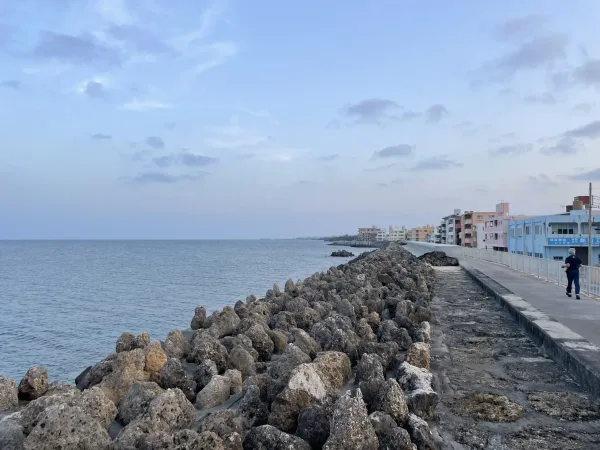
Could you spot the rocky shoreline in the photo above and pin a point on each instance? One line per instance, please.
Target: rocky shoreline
(338, 361)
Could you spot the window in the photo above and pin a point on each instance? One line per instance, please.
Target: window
(538, 229)
(557, 258)
(563, 228)
(539, 255)
(527, 231)
(529, 254)
(511, 232)
(480, 217)
(519, 231)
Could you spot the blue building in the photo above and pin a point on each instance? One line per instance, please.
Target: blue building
(550, 237)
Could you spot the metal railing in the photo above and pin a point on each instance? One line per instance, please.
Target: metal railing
(544, 269)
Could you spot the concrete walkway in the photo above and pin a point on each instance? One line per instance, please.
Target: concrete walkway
(581, 316)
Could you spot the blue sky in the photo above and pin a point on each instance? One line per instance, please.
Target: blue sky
(231, 119)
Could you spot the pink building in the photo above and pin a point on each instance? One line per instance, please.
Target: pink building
(496, 228)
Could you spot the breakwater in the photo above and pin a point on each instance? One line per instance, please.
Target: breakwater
(339, 360)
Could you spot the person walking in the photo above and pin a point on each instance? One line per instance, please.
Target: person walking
(572, 264)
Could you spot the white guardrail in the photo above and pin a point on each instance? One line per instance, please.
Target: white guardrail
(544, 269)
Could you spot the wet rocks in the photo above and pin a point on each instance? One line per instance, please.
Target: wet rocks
(489, 407)
(342, 254)
(350, 426)
(199, 318)
(313, 424)
(9, 394)
(34, 384)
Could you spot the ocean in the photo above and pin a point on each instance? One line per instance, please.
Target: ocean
(63, 304)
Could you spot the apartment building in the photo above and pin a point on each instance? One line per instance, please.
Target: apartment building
(420, 234)
(470, 220)
(496, 228)
(451, 228)
(397, 233)
(368, 234)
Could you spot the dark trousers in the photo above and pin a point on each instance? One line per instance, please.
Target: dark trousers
(573, 277)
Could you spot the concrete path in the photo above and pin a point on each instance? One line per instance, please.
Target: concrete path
(581, 316)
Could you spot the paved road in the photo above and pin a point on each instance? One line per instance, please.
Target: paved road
(581, 316)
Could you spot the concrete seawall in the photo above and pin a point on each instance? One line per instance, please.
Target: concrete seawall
(572, 351)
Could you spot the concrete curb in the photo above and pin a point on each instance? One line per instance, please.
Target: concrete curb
(572, 351)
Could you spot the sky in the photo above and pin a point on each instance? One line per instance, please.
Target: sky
(192, 119)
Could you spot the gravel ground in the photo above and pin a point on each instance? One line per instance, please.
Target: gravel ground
(498, 389)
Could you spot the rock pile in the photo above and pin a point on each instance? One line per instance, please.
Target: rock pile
(342, 253)
(438, 258)
(338, 361)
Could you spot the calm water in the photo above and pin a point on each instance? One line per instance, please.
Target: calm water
(63, 304)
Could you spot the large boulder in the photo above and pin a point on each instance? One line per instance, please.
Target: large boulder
(241, 340)
(34, 384)
(369, 377)
(350, 427)
(9, 394)
(304, 342)
(176, 345)
(137, 400)
(155, 357)
(205, 346)
(417, 385)
(418, 355)
(173, 375)
(204, 373)
(214, 393)
(397, 439)
(223, 423)
(224, 322)
(125, 343)
(335, 368)
(423, 333)
(313, 424)
(390, 332)
(420, 433)
(199, 318)
(390, 400)
(261, 341)
(304, 388)
(280, 340)
(252, 411)
(12, 436)
(66, 427)
(383, 424)
(281, 369)
(267, 437)
(93, 375)
(182, 440)
(168, 412)
(127, 368)
(386, 351)
(243, 361)
(337, 333)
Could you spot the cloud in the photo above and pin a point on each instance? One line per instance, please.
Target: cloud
(139, 40)
(435, 113)
(373, 110)
(214, 55)
(591, 175)
(464, 124)
(76, 50)
(114, 11)
(538, 53)
(12, 84)
(328, 157)
(520, 27)
(382, 185)
(440, 162)
(184, 159)
(395, 151)
(165, 178)
(140, 156)
(155, 142)
(588, 73)
(101, 137)
(409, 115)
(584, 107)
(380, 168)
(515, 149)
(94, 89)
(333, 124)
(240, 142)
(546, 98)
(144, 105)
(565, 146)
(588, 131)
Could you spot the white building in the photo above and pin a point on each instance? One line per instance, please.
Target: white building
(382, 235)
(451, 228)
(397, 233)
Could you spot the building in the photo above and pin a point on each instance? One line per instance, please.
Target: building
(397, 233)
(470, 220)
(479, 235)
(419, 234)
(368, 234)
(382, 235)
(551, 236)
(496, 228)
(450, 228)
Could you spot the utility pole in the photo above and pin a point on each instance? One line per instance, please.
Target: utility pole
(591, 205)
